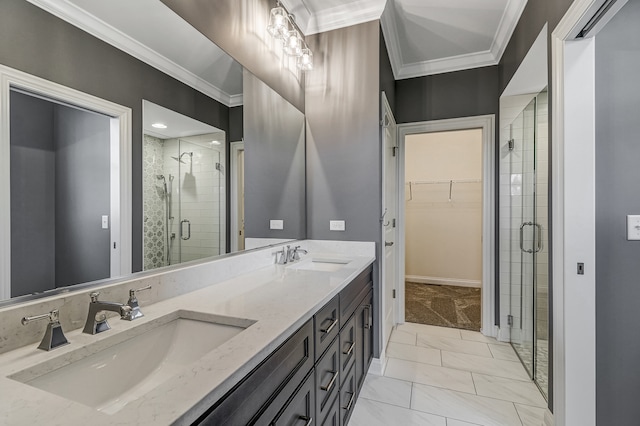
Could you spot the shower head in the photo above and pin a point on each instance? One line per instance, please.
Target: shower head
(179, 159)
(160, 177)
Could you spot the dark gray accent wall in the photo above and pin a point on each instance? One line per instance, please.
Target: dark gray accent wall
(344, 177)
(239, 28)
(617, 195)
(32, 195)
(274, 155)
(82, 191)
(36, 42)
(387, 80)
(235, 124)
(451, 95)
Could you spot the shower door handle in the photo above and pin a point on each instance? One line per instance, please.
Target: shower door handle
(182, 234)
(522, 237)
(537, 232)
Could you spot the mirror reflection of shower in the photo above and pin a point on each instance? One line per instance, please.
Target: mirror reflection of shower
(184, 200)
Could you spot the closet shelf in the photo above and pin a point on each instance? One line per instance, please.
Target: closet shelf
(432, 182)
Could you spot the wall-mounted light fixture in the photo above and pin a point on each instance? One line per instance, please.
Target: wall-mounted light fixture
(282, 26)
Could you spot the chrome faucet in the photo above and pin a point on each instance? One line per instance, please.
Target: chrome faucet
(93, 325)
(295, 253)
(283, 259)
(135, 312)
(53, 336)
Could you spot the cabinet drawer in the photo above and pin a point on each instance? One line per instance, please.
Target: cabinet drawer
(348, 395)
(327, 379)
(301, 408)
(326, 326)
(332, 417)
(351, 295)
(347, 347)
(277, 377)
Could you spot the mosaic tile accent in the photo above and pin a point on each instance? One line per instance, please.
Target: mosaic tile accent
(153, 203)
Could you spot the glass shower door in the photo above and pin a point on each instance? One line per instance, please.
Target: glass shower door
(525, 230)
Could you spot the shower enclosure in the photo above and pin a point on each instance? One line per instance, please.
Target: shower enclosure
(527, 251)
(184, 210)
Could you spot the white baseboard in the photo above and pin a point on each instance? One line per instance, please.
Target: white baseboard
(504, 334)
(459, 282)
(378, 366)
(548, 418)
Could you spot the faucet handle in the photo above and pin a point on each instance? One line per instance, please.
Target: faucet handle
(53, 336)
(133, 304)
(94, 296)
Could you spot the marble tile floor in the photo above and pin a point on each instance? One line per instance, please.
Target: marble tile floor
(448, 377)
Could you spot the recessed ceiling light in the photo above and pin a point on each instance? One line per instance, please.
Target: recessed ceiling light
(159, 125)
(215, 142)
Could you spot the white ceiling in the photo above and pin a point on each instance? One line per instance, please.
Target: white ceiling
(423, 36)
(178, 125)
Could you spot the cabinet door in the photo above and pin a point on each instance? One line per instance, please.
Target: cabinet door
(364, 338)
(302, 407)
(326, 326)
(327, 379)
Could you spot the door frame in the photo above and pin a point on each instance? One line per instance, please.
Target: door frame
(384, 333)
(487, 124)
(120, 148)
(235, 147)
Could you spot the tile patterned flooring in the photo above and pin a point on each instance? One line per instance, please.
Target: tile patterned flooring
(448, 377)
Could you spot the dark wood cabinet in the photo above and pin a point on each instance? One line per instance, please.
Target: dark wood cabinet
(315, 376)
(364, 339)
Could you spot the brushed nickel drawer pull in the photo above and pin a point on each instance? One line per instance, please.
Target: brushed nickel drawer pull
(348, 407)
(328, 329)
(331, 382)
(348, 352)
(308, 420)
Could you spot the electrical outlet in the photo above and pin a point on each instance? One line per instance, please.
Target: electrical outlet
(336, 225)
(276, 224)
(633, 227)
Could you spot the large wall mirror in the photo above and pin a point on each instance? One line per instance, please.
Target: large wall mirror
(223, 163)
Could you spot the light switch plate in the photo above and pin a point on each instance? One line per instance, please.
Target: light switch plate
(633, 227)
(336, 225)
(105, 222)
(276, 224)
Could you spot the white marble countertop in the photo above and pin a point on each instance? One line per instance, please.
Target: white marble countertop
(280, 299)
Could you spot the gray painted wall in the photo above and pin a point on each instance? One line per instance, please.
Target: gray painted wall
(617, 195)
(238, 27)
(40, 44)
(82, 177)
(32, 196)
(343, 137)
(451, 95)
(274, 149)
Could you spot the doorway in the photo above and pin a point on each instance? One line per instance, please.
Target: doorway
(446, 187)
(443, 228)
(82, 174)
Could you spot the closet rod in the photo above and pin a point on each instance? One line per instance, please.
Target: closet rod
(431, 182)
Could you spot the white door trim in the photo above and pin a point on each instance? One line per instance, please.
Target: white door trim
(573, 216)
(235, 226)
(487, 124)
(120, 162)
(384, 333)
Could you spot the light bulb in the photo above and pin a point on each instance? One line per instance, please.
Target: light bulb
(305, 61)
(293, 45)
(278, 23)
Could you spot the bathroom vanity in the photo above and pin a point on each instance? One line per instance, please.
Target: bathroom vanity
(262, 344)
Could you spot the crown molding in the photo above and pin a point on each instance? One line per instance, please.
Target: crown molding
(107, 33)
(401, 70)
(333, 18)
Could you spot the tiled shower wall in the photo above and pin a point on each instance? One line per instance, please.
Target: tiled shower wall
(196, 188)
(198, 194)
(153, 203)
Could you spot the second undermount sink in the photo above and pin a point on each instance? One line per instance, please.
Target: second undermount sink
(321, 264)
(110, 378)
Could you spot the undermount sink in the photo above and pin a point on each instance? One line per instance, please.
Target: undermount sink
(325, 265)
(110, 378)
